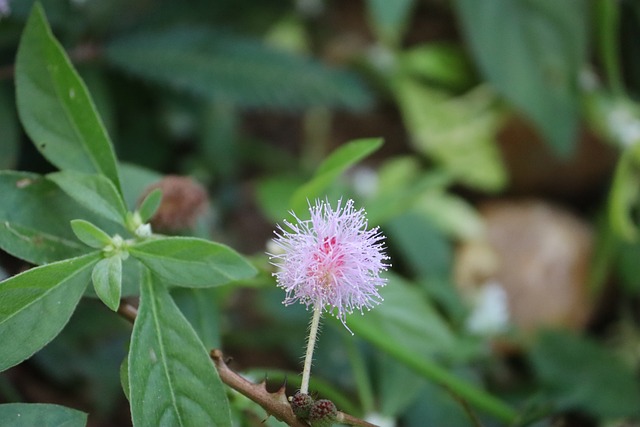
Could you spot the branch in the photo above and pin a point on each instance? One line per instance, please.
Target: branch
(276, 404)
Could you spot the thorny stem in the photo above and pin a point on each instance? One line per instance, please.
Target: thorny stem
(311, 344)
(276, 404)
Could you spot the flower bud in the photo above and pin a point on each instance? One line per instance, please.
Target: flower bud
(183, 201)
(323, 413)
(301, 405)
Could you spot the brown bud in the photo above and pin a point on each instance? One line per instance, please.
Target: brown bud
(183, 202)
(323, 413)
(301, 405)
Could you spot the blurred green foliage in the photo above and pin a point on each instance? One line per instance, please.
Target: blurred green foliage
(249, 97)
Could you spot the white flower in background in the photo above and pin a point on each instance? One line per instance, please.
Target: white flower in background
(624, 125)
(365, 181)
(490, 311)
(5, 10)
(380, 420)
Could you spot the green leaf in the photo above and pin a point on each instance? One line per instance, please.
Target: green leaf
(625, 195)
(348, 155)
(55, 107)
(135, 180)
(452, 214)
(35, 306)
(457, 133)
(232, 70)
(107, 281)
(398, 385)
(191, 262)
(89, 234)
(409, 329)
(401, 184)
(274, 193)
(95, 192)
(172, 379)
(406, 319)
(200, 308)
(34, 219)
(124, 378)
(389, 18)
(532, 53)
(443, 64)
(41, 415)
(333, 166)
(422, 246)
(579, 374)
(9, 132)
(150, 205)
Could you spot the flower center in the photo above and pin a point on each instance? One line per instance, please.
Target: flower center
(328, 261)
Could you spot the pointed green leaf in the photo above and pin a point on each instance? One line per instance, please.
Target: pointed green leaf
(457, 133)
(107, 281)
(35, 306)
(532, 52)
(348, 155)
(233, 70)
(389, 18)
(191, 262)
(89, 234)
(172, 379)
(150, 205)
(337, 163)
(55, 107)
(41, 415)
(124, 377)
(95, 192)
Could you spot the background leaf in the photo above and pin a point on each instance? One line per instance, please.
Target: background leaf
(534, 60)
(389, 18)
(172, 379)
(624, 194)
(579, 374)
(458, 133)
(191, 262)
(55, 107)
(230, 69)
(35, 219)
(335, 164)
(35, 306)
(9, 134)
(406, 320)
(41, 415)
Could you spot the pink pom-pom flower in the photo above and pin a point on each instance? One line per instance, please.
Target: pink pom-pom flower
(331, 260)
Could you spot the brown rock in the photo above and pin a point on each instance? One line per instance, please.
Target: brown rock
(540, 254)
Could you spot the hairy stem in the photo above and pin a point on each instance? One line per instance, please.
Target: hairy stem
(311, 344)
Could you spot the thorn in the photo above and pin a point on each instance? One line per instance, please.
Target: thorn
(283, 387)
